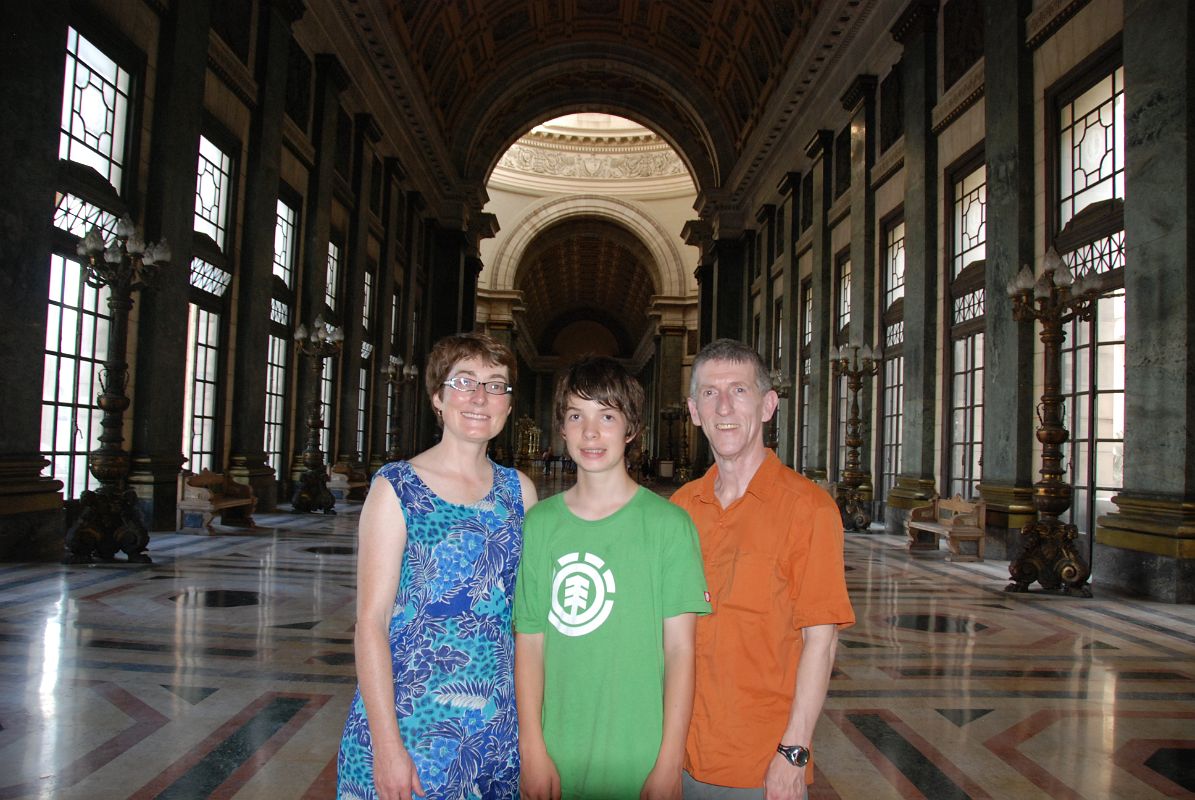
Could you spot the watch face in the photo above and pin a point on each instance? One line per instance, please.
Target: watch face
(797, 755)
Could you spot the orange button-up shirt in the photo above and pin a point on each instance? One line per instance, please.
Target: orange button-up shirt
(774, 565)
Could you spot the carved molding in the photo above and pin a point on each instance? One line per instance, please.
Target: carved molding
(231, 71)
(1046, 20)
(575, 162)
(888, 164)
(965, 93)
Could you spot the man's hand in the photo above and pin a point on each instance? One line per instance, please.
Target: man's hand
(783, 781)
(395, 777)
(538, 778)
(661, 784)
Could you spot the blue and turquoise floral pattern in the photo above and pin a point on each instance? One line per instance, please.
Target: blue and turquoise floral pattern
(451, 645)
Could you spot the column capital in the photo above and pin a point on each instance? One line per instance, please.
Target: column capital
(789, 184)
(765, 213)
(862, 90)
(819, 144)
(328, 67)
(291, 10)
(368, 127)
(920, 16)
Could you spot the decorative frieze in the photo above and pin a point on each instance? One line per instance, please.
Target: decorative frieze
(965, 93)
(658, 162)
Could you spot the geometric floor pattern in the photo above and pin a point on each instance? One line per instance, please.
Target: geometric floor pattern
(225, 669)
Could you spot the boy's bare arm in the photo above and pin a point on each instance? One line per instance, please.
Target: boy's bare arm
(664, 780)
(538, 779)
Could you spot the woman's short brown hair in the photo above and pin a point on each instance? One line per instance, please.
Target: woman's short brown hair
(606, 382)
(453, 349)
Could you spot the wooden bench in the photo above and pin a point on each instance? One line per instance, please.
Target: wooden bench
(202, 496)
(346, 482)
(959, 521)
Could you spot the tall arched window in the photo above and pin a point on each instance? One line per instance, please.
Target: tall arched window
(842, 322)
(282, 301)
(892, 368)
(1090, 192)
(211, 276)
(97, 106)
(965, 309)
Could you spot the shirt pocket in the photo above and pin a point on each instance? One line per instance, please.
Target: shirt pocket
(751, 583)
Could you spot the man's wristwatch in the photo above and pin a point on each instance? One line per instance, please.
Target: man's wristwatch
(797, 755)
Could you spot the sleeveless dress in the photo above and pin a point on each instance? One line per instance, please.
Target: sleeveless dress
(451, 645)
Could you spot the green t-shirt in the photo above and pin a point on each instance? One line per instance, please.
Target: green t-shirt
(599, 591)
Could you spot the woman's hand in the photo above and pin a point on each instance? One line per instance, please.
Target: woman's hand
(395, 777)
(538, 778)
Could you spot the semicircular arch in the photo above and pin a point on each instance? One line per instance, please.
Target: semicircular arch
(666, 259)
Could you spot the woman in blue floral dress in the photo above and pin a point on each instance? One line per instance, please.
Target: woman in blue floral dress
(439, 544)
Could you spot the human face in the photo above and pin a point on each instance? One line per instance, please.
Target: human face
(477, 415)
(595, 435)
(731, 409)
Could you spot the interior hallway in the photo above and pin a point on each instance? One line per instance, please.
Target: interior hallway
(225, 669)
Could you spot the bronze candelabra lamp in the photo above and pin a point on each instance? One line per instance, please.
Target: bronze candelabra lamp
(1053, 298)
(854, 363)
(396, 375)
(321, 342)
(109, 520)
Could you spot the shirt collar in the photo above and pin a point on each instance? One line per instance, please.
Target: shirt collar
(760, 486)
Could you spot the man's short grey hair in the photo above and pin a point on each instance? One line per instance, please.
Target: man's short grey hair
(736, 352)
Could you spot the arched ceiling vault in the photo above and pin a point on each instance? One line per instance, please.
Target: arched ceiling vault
(586, 268)
(699, 72)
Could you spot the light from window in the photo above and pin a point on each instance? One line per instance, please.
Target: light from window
(212, 186)
(95, 110)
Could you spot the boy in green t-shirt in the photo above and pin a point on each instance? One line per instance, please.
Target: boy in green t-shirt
(608, 589)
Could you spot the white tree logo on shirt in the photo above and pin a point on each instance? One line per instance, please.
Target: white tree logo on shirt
(581, 599)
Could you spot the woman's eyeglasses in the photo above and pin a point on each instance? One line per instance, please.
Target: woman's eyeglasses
(463, 384)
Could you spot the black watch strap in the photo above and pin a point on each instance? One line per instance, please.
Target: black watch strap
(797, 755)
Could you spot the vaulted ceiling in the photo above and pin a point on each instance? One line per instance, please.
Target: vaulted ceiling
(586, 270)
(716, 78)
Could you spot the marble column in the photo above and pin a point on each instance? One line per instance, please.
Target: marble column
(1007, 481)
(330, 81)
(816, 460)
(915, 30)
(389, 270)
(365, 135)
(445, 305)
(31, 80)
(859, 101)
(255, 275)
(1147, 546)
(161, 309)
(790, 342)
(729, 268)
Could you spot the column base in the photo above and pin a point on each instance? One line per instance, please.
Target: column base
(154, 478)
(33, 521)
(253, 470)
(1008, 509)
(907, 493)
(1147, 548)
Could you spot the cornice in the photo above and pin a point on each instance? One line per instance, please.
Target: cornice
(958, 98)
(862, 89)
(1046, 20)
(819, 144)
(921, 16)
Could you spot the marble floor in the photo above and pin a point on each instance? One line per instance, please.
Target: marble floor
(225, 669)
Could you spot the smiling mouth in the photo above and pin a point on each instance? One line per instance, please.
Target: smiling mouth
(467, 415)
(725, 426)
(591, 452)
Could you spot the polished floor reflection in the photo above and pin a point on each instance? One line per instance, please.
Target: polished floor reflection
(224, 669)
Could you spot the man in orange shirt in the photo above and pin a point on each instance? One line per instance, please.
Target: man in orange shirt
(771, 541)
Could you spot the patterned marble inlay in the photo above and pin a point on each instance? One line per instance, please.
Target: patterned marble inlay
(225, 669)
